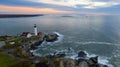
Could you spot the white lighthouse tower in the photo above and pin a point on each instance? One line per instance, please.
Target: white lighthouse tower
(35, 30)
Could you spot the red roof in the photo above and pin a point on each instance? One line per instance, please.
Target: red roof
(25, 33)
(40, 33)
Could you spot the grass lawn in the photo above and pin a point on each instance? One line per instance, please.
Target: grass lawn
(18, 39)
(5, 60)
(2, 38)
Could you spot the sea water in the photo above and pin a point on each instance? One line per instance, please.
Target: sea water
(96, 35)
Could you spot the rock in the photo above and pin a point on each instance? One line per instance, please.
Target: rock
(51, 37)
(41, 65)
(43, 62)
(93, 62)
(83, 64)
(100, 65)
(81, 57)
(61, 64)
(105, 66)
(80, 60)
(67, 63)
(70, 63)
(82, 54)
(35, 45)
(94, 59)
(49, 56)
(60, 55)
(2, 43)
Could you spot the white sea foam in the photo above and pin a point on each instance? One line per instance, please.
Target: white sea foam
(73, 54)
(101, 59)
(60, 38)
(34, 52)
(104, 60)
(70, 53)
(93, 42)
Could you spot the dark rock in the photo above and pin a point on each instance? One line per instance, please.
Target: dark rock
(100, 65)
(105, 66)
(41, 65)
(38, 43)
(61, 55)
(56, 55)
(69, 63)
(51, 37)
(80, 60)
(94, 59)
(82, 54)
(50, 56)
(82, 57)
(93, 62)
(35, 45)
(83, 64)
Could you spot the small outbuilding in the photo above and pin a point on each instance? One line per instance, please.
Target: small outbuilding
(27, 34)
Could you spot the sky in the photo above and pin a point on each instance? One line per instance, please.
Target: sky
(98, 7)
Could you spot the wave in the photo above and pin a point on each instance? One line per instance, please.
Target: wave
(101, 59)
(70, 52)
(93, 42)
(34, 53)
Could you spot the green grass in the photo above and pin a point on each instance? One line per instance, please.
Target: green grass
(8, 61)
(18, 39)
(9, 45)
(23, 64)
(5, 60)
(2, 38)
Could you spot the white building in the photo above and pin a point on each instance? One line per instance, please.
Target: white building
(27, 34)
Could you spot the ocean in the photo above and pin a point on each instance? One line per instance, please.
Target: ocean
(96, 35)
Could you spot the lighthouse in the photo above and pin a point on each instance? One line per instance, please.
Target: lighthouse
(35, 30)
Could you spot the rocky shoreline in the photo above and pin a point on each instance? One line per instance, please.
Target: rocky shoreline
(59, 60)
(21, 51)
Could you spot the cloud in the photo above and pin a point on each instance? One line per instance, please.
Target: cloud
(62, 6)
(89, 4)
(100, 5)
(16, 9)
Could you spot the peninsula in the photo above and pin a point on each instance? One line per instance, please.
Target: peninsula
(19, 15)
(15, 52)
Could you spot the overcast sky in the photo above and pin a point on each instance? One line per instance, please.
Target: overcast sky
(61, 6)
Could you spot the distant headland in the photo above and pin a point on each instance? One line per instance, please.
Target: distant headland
(19, 15)
(66, 16)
